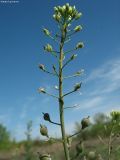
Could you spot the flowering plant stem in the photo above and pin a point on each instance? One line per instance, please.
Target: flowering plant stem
(61, 100)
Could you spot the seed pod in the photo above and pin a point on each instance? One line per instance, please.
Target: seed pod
(42, 90)
(46, 32)
(45, 157)
(92, 155)
(85, 122)
(80, 72)
(77, 86)
(46, 117)
(79, 45)
(78, 28)
(42, 67)
(44, 130)
(48, 48)
(73, 56)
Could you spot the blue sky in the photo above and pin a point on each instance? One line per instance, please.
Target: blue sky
(21, 50)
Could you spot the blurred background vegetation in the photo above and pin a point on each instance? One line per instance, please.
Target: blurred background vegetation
(95, 139)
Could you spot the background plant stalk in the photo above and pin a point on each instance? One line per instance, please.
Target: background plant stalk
(61, 100)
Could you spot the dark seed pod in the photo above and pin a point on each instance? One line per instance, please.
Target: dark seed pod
(42, 67)
(85, 122)
(46, 117)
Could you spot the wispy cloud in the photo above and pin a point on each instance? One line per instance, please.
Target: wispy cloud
(106, 78)
(26, 106)
(102, 88)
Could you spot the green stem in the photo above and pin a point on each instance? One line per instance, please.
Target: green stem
(61, 100)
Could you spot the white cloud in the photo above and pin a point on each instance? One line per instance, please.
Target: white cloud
(106, 78)
(91, 103)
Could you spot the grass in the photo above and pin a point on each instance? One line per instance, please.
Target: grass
(56, 150)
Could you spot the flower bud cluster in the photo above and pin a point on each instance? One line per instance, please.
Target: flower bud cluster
(66, 12)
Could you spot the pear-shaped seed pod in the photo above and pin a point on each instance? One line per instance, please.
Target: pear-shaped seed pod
(92, 155)
(45, 157)
(48, 48)
(77, 86)
(85, 122)
(42, 90)
(46, 32)
(44, 130)
(79, 45)
(78, 28)
(42, 67)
